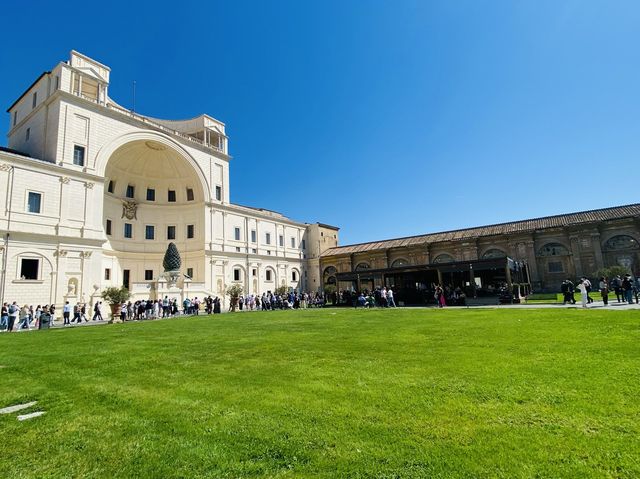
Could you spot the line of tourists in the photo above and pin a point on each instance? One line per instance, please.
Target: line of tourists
(625, 288)
(271, 301)
(16, 318)
(380, 297)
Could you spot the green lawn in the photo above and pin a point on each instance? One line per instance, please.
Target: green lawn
(329, 393)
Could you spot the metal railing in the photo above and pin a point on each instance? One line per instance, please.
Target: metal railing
(146, 120)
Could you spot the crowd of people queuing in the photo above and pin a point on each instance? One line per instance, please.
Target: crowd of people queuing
(271, 301)
(384, 297)
(16, 318)
(624, 287)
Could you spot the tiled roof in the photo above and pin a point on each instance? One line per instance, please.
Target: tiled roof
(583, 217)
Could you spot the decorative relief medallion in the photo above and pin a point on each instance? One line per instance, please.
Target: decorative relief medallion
(88, 185)
(65, 180)
(129, 210)
(5, 167)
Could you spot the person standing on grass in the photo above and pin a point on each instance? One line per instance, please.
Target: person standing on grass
(24, 318)
(616, 284)
(587, 283)
(13, 316)
(627, 289)
(390, 300)
(583, 293)
(604, 290)
(4, 317)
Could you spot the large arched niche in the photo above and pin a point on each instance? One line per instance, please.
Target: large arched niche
(152, 162)
(156, 140)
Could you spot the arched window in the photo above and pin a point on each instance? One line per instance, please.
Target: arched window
(494, 253)
(329, 275)
(444, 258)
(330, 271)
(362, 266)
(553, 249)
(621, 242)
(399, 262)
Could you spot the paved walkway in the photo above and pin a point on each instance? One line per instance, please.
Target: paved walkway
(595, 305)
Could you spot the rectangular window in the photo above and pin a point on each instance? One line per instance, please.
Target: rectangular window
(148, 275)
(281, 241)
(294, 276)
(268, 275)
(267, 238)
(15, 117)
(555, 267)
(107, 274)
(151, 194)
(34, 101)
(189, 194)
(254, 251)
(29, 268)
(236, 274)
(219, 193)
(108, 228)
(110, 187)
(190, 272)
(171, 232)
(34, 202)
(78, 156)
(149, 232)
(237, 249)
(293, 242)
(128, 230)
(126, 276)
(27, 134)
(191, 231)
(254, 272)
(236, 233)
(303, 244)
(171, 196)
(131, 191)
(254, 236)
(269, 252)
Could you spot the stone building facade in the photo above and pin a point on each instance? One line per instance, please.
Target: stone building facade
(553, 248)
(94, 192)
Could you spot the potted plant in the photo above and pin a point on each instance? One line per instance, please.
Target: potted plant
(115, 297)
(234, 293)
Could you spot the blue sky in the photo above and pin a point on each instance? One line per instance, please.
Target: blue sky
(384, 118)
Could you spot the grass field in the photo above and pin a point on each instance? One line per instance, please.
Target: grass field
(329, 393)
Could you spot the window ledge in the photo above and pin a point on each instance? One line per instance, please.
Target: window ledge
(28, 281)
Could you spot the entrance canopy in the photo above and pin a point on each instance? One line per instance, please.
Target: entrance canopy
(457, 266)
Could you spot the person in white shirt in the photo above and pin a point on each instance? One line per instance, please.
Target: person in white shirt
(583, 293)
(390, 302)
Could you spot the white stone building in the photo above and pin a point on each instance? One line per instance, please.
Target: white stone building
(93, 193)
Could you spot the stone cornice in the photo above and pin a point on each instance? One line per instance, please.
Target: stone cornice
(28, 163)
(244, 211)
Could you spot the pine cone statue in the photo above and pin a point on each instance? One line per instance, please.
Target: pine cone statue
(171, 261)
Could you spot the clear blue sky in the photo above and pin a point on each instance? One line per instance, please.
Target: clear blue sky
(385, 118)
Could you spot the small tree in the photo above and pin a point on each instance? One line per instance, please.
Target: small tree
(115, 297)
(281, 290)
(612, 272)
(234, 292)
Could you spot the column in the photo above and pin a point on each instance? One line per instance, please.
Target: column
(575, 255)
(597, 250)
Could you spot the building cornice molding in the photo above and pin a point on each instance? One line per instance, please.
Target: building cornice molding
(244, 211)
(26, 162)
